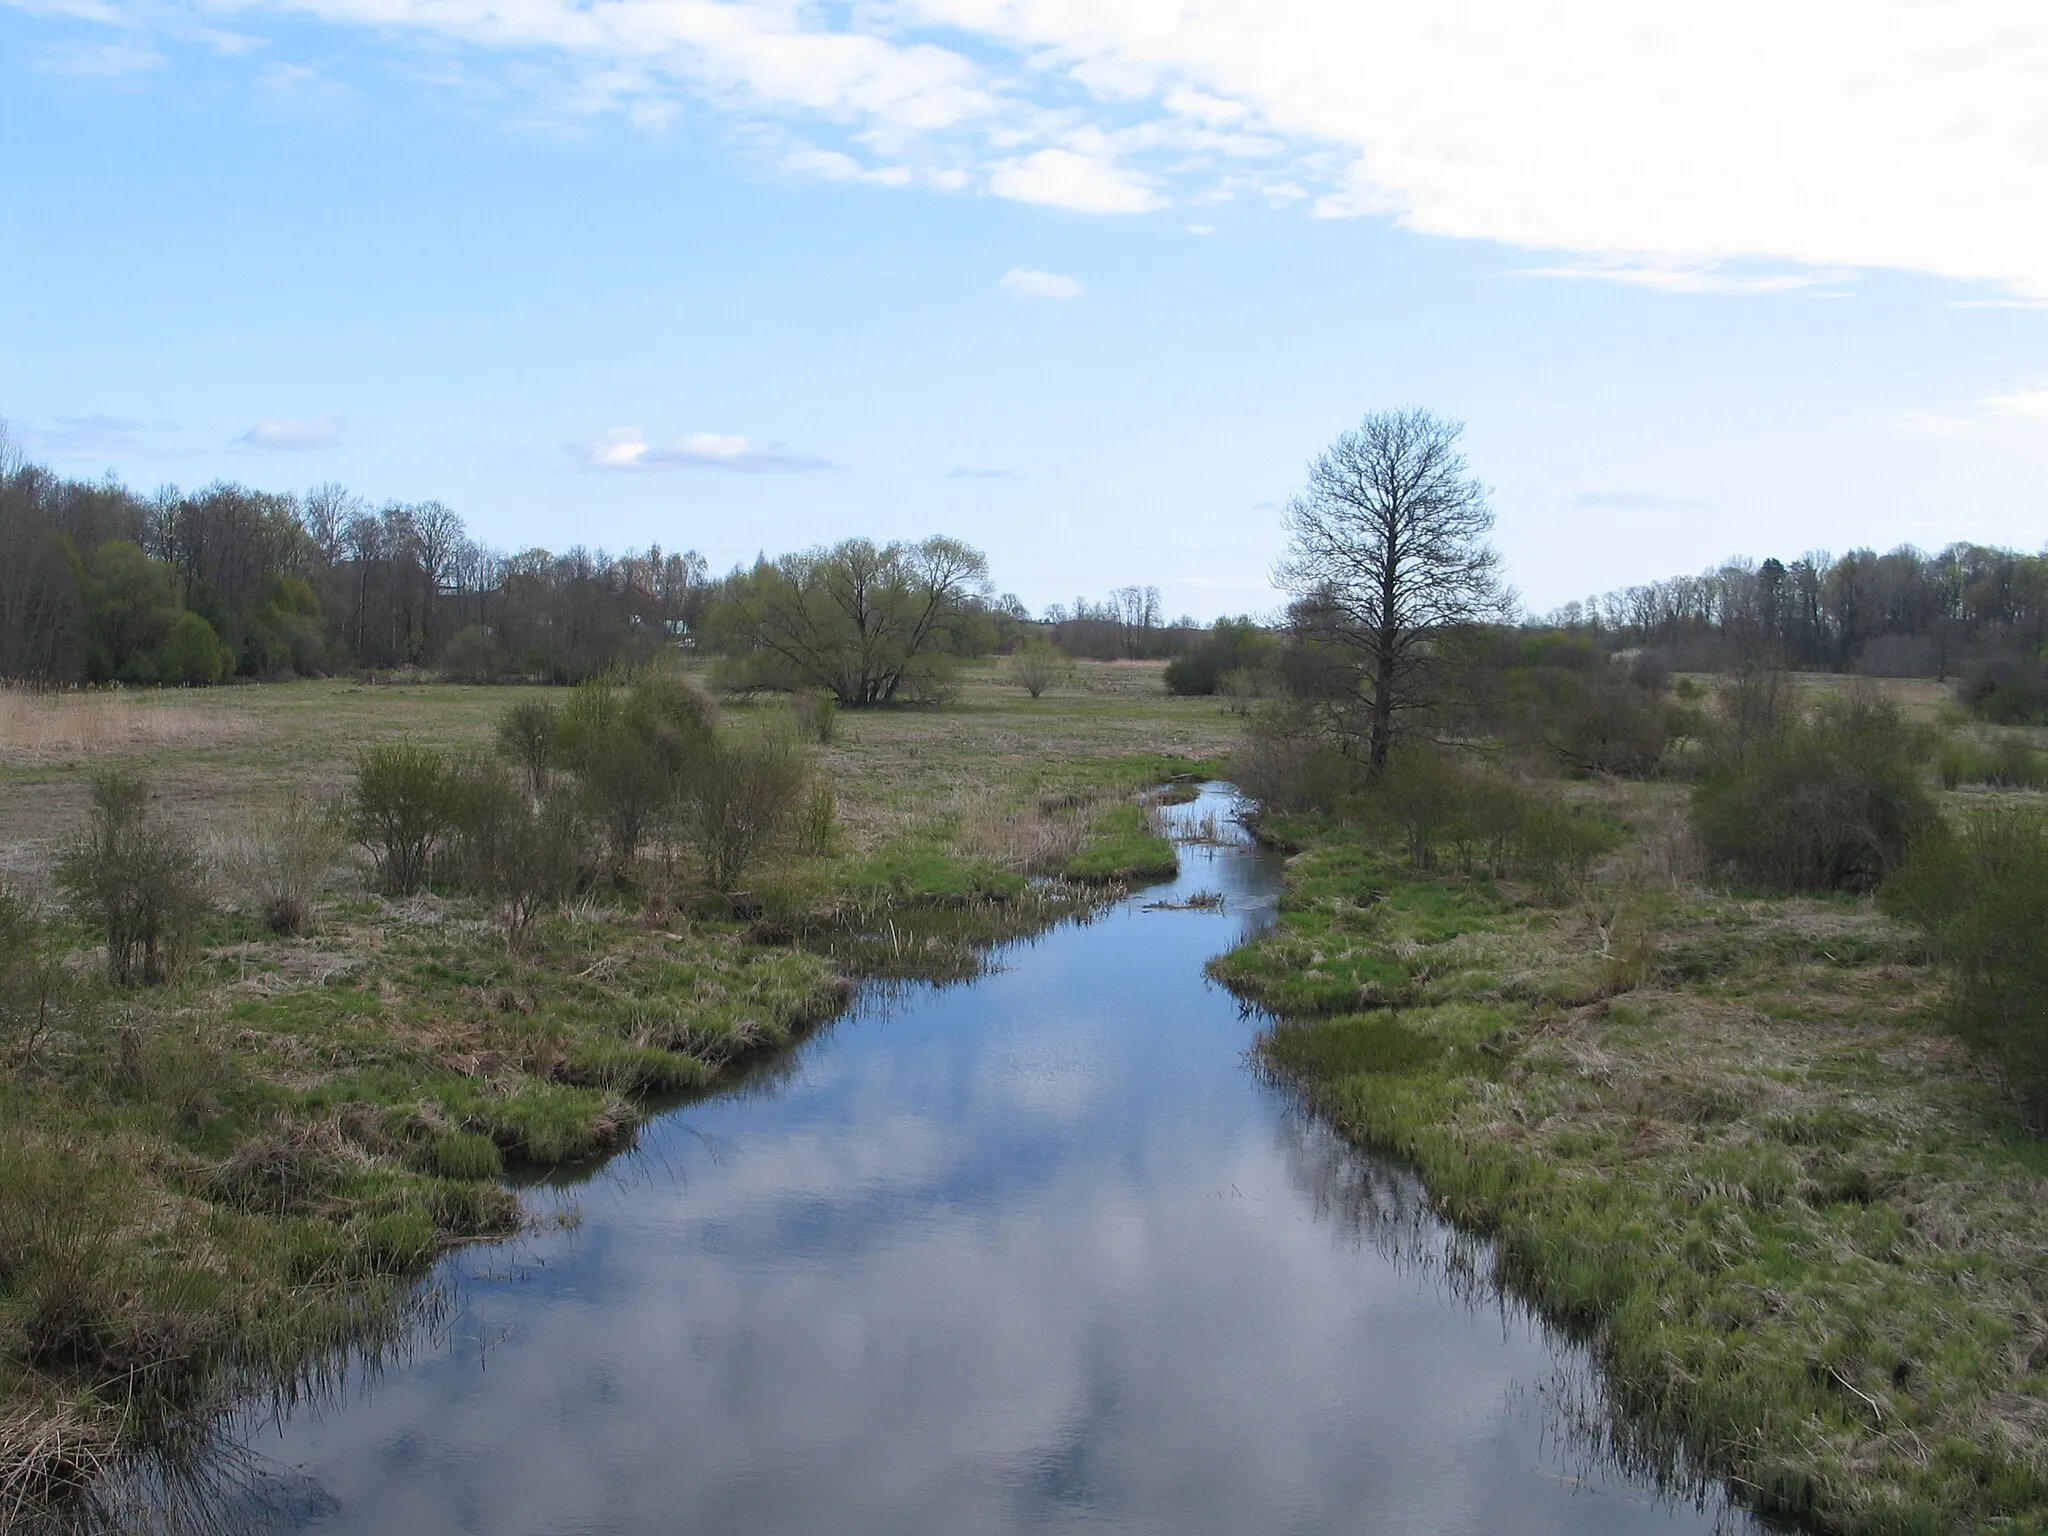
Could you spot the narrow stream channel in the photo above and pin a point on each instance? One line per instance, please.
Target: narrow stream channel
(1035, 1253)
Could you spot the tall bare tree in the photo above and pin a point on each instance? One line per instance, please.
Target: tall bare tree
(1387, 555)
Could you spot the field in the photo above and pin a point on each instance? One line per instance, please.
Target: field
(1717, 1134)
(207, 1188)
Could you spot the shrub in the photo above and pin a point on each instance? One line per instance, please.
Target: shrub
(1980, 891)
(1613, 727)
(745, 793)
(401, 809)
(2009, 691)
(139, 882)
(527, 736)
(633, 749)
(290, 853)
(815, 822)
(535, 859)
(1285, 764)
(472, 655)
(192, 655)
(1232, 645)
(1037, 664)
(36, 993)
(816, 716)
(1829, 803)
(2008, 764)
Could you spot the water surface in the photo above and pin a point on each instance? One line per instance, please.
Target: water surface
(1037, 1253)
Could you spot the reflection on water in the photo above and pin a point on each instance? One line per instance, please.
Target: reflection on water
(1037, 1253)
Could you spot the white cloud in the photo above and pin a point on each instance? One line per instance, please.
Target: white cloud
(102, 60)
(2019, 404)
(625, 448)
(1065, 179)
(293, 435)
(1687, 279)
(1662, 145)
(1030, 284)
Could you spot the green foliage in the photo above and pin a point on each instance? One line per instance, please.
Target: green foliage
(527, 855)
(816, 821)
(872, 624)
(2009, 691)
(526, 736)
(1829, 803)
(472, 655)
(744, 794)
(192, 655)
(402, 808)
(633, 748)
(137, 880)
(1232, 645)
(1980, 891)
(2008, 763)
(131, 604)
(1036, 664)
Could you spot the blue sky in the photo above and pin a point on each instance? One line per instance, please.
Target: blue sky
(1084, 284)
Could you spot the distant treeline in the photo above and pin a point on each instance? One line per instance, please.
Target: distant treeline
(102, 584)
(1903, 614)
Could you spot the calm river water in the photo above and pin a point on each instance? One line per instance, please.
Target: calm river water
(1036, 1253)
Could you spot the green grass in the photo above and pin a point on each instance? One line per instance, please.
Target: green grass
(1120, 847)
(1715, 1136)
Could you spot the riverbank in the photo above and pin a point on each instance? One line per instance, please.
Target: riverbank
(1718, 1137)
(208, 1188)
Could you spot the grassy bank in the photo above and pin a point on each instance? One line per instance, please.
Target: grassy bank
(1717, 1135)
(208, 1188)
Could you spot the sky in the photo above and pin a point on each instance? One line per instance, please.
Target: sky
(1086, 284)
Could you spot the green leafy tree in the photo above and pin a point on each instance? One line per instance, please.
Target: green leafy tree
(871, 623)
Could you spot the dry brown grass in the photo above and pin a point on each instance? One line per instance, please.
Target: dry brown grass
(87, 727)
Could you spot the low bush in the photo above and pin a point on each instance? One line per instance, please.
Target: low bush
(1232, 645)
(37, 995)
(1286, 764)
(2006, 764)
(1980, 891)
(402, 808)
(745, 794)
(1827, 803)
(472, 655)
(2008, 690)
(290, 852)
(816, 716)
(633, 748)
(1037, 664)
(139, 881)
(526, 736)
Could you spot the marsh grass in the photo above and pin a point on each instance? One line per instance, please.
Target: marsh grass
(38, 727)
(1717, 1135)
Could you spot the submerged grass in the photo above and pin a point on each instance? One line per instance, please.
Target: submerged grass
(215, 1188)
(1718, 1137)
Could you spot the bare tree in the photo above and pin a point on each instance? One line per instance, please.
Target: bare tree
(1387, 548)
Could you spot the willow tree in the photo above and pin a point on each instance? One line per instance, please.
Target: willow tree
(1388, 557)
(870, 623)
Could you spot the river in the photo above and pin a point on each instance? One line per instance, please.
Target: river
(1040, 1252)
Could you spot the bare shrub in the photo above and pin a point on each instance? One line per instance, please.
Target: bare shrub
(1037, 664)
(539, 859)
(1286, 764)
(36, 992)
(285, 862)
(527, 736)
(139, 881)
(401, 809)
(744, 794)
(816, 716)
